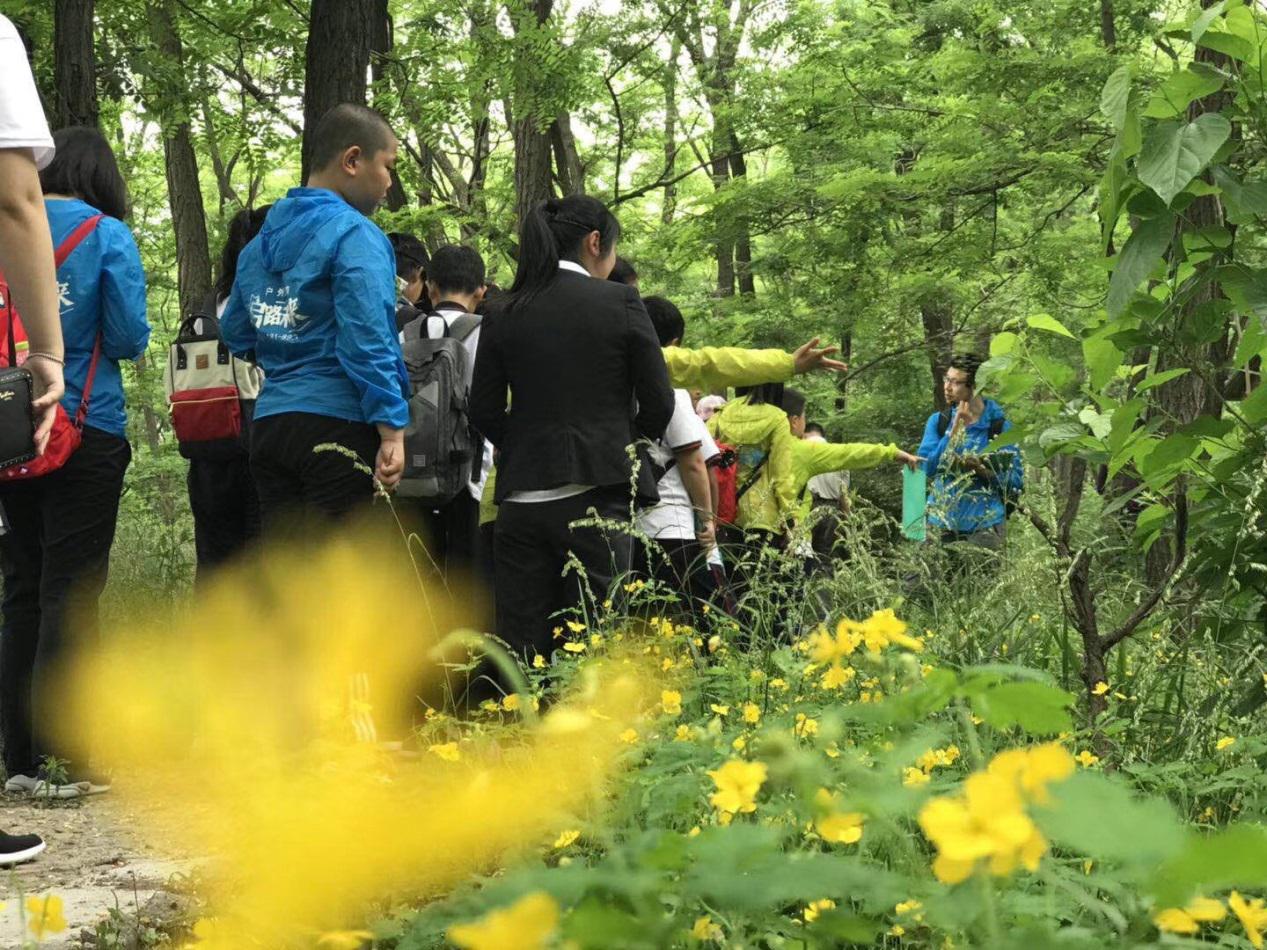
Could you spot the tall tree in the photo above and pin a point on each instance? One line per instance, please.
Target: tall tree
(340, 36)
(74, 64)
(184, 192)
(530, 127)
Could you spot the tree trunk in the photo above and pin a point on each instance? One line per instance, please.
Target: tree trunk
(74, 64)
(184, 192)
(381, 37)
(570, 172)
(939, 333)
(531, 134)
(336, 62)
(723, 242)
(1108, 30)
(743, 235)
(669, 205)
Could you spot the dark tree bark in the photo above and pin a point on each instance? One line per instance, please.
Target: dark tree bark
(669, 206)
(184, 192)
(1108, 30)
(569, 170)
(381, 39)
(340, 34)
(74, 64)
(530, 130)
(939, 334)
(743, 235)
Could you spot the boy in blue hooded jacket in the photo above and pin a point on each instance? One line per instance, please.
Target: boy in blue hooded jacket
(314, 305)
(969, 491)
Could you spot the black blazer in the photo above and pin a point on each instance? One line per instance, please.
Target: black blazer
(573, 359)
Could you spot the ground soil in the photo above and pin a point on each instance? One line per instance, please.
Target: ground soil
(101, 855)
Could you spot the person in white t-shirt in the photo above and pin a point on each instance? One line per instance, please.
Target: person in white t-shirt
(454, 287)
(682, 523)
(26, 261)
(26, 245)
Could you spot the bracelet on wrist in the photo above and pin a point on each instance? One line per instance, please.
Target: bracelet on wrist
(40, 354)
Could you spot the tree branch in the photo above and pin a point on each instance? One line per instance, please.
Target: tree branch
(1141, 612)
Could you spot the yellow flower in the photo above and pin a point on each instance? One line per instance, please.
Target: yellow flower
(897, 930)
(987, 821)
(1225, 742)
(1172, 920)
(694, 832)
(671, 702)
(806, 726)
(345, 939)
(837, 676)
(683, 734)
(1086, 759)
(1252, 915)
(705, 929)
(720, 710)
(739, 744)
(737, 785)
(840, 827)
(778, 683)
(1100, 688)
(1206, 909)
(883, 628)
(511, 702)
(525, 925)
(565, 839)
(751, 713)
(44, 915)
(907, 907)
(629, 736)
(574, 647)
(814, 908)
(538, 662)
(446, 750)
(575, 627)
(914, 777)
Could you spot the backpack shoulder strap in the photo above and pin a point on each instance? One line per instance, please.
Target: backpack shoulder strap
(464, 325)
(943, 422)
(85, 228)
(751, 479)
(996, 427)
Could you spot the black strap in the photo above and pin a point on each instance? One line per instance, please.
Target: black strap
(751, 480)
(943, 423)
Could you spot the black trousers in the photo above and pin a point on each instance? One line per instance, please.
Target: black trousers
(534, 541)
(55, 559)
(226, 509)
(451, 535)
(301, 489)
(681, 565)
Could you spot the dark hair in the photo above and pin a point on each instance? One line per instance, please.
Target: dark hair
(767, 394)
(456, 267)
(244, 226)
(84, 166)
(551, 232)
(347, 125)
(623, 273)
(968, 364)
(666, 318)
(815, 427)
(411, 256)
(793, 401)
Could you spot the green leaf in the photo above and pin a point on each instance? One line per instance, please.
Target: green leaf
(1100, 423)
(1181, 88)
(1102, 359)
(1053, 438)
(1254, 406)
(1115, 95)
(1234, 857)
(1208, 16)
(1045, 321)
(1001, 344)
(1172, 451)
(1176, 153)
(1137, 259)
(1037, 708)
(1244, 200)
(1158, 379)
(1228, 44)
(1100, 818)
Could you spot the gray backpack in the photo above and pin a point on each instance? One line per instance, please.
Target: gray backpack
(440, 449)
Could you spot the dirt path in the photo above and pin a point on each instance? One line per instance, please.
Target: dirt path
(97, 858)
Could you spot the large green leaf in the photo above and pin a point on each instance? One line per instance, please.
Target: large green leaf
(1115, 96)
(1182, 87)
(1137, 259)
(1157, 379)
(1101, 357)
(1234, 857)
(1208, 16)
(1175, 153)
(1100, 818)
(1037, 708)
(1045, 321)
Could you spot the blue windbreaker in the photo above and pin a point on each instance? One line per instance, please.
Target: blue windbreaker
(102, 289)
(960, 501)
(314, 304)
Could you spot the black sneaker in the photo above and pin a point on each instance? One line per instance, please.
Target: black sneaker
(14, 849)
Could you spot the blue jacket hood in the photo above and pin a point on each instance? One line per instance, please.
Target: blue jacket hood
(293, 222)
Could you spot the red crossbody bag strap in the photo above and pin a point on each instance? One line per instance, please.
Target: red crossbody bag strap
(64, 250)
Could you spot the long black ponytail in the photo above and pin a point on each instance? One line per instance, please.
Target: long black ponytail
(551, 232)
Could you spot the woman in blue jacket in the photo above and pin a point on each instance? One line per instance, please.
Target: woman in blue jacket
(62, 524)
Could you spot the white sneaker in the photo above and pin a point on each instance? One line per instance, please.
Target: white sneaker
(21, 784)
(44, 790)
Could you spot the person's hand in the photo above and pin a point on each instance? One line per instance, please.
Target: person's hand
(811, 357)
(964, 416)
(910, 461)
(706, 535)
(390, 462)
(974, 464)
(50, 386)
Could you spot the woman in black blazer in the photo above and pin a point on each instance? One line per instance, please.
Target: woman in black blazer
(580, 364)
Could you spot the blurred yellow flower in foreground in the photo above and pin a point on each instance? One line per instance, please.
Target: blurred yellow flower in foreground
(1252, 915)
(44, 915)
(1225, 742)
(671, 702)
(738, 783)
(231, 722)
(525, 925)
(704, 929)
